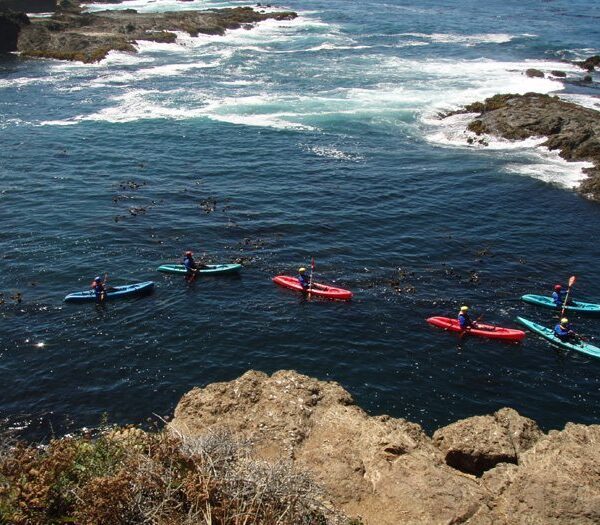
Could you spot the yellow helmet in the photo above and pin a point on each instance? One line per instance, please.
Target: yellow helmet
(564, 320)
(464, 308)
(301, 270)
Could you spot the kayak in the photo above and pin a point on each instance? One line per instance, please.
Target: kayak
(577, 306)
(482, 330)
(548, 333)
(318, 290)
(211, 269)
(113, 292)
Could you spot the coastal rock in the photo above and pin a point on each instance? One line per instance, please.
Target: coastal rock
(11, 25)
(479, 443)
(571, 129)
(534, 73)
(388, 471)
(557, 481)
(590, 63)
(71, 34)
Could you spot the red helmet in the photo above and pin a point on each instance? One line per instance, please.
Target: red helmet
(558, 287)
(189, 253)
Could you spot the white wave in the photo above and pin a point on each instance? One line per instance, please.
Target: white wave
(332, 152)
(587, 101)
(536, 161)
(12, 83)
(469, 40)
(548, 166)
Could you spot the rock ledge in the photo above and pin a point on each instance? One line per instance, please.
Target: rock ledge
(498, 469)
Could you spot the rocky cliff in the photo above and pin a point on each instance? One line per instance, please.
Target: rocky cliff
(495, 469)
(571, 129)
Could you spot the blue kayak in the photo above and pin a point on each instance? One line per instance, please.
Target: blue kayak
(577, 306)
(548, 334)
(112, 292)
(211, 269)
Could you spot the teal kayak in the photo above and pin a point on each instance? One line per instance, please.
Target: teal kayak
(112, 292)
(577, 306)
(211, 269)
(548, 333)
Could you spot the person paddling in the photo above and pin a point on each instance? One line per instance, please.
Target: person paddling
(191, 266)
(303, 279)
(564, 331)
(99, 289)
(464, 320)
(559, 295)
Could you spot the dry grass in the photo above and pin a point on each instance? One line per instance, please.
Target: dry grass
(128, 476)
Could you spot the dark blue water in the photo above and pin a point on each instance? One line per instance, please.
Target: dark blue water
(314, 138)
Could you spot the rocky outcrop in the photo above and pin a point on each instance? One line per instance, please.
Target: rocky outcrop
(75, 35)
(590, 63)
(534, 73)
(388, 471)
(11, 25)
(571, 129)
(479, 443)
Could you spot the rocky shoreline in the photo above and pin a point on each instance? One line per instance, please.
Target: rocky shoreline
(571, 129)
(287, 449)
(73, 34)
(499, 468)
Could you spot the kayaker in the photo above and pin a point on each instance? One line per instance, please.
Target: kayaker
(303, 279)
(190, 266)
(559, 295)
(564, 331)
(99, 289)
(464, 320)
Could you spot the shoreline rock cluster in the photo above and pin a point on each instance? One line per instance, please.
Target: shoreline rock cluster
(499, 468)
(73, 34)
(571, 129)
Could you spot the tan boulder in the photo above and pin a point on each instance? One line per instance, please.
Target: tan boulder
(479, 443)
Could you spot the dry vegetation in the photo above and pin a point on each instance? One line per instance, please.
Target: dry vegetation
(128, 476)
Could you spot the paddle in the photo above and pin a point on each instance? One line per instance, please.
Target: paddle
(564, 305)
(310, 279)
(103, 294)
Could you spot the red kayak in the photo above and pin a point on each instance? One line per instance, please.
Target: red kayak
(482, 330)
(318, 290)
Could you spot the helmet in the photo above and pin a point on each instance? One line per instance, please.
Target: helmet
(188, 253)
(301, 270)
(98, 279)
(464, 308)
(558, 287)
(564, 320)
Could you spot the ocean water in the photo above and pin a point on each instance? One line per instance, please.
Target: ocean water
(312, 137)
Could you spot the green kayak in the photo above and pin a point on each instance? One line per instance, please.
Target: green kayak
(211, 269)
(548, 333)
(577, 306)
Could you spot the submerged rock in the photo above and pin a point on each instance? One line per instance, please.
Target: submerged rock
(388, 471)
